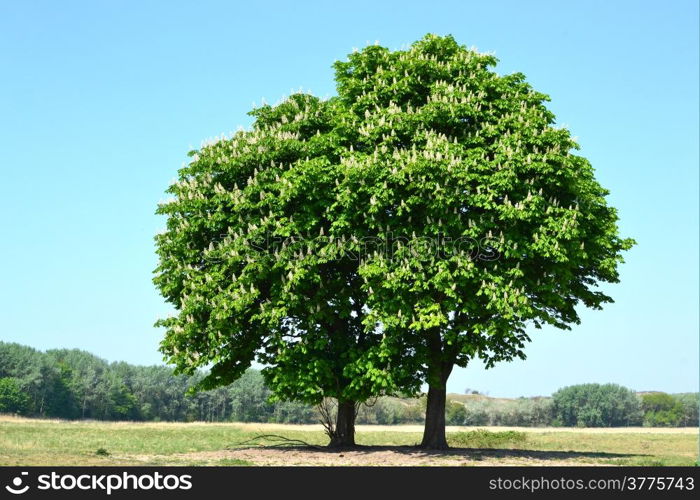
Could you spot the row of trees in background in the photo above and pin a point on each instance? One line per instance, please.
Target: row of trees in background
(611, 405)
(584, 405)
(74, 384)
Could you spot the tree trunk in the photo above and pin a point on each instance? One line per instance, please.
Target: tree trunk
(344, 435)
(439, 370)
(434, 431)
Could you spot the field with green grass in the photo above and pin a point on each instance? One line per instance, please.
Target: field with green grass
(54, 442)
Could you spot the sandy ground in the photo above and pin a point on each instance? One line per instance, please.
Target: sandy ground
(390, 456)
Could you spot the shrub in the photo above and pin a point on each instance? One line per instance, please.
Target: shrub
(478, 413)
(596, 405)
(525, 412)
(390, 410)
(481, 438)
(662, 410)
(690, 402)
(455, 413)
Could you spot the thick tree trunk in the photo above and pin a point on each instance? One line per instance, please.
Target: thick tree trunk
(344, 435)
(434, 431)
(439, 368)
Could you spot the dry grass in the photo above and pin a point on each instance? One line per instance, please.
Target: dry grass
(54, 442)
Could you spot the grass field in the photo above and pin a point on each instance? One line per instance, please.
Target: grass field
(53, 442)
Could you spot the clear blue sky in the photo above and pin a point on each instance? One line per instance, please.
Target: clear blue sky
(100, 101)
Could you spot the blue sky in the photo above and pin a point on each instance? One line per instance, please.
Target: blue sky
(100, 101)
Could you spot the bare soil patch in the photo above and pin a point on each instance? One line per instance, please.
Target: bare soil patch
(394, 456)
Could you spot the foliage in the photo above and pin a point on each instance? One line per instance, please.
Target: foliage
(691, 404)
(333, 241)
(391, 411)
(445, 153)
(661, 410)
(249, 399)
(525, 412)
(119, 391)
(76, 384)
(246, 262)
(455, 413)
(12, 399)
(596, 405)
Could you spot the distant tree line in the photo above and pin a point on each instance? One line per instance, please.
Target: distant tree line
(74, 384)
(584, 405)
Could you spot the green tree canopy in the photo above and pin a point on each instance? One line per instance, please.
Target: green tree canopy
(12, 399)
(251, 263)
(662, 410)
(422, 218)
(596, 405)
(447, 152)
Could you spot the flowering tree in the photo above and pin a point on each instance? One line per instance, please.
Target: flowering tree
(371, 242)
(444, 149)
(251, 262)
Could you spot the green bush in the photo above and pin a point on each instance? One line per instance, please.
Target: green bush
(662, 410)
(523, 412)
(391, 410)
(12, 398)
(481, 438)
(690, 402)
(478, 413)
(596, 405)
(455, 413)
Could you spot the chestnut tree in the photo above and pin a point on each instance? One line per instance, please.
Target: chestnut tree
(424, 217)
